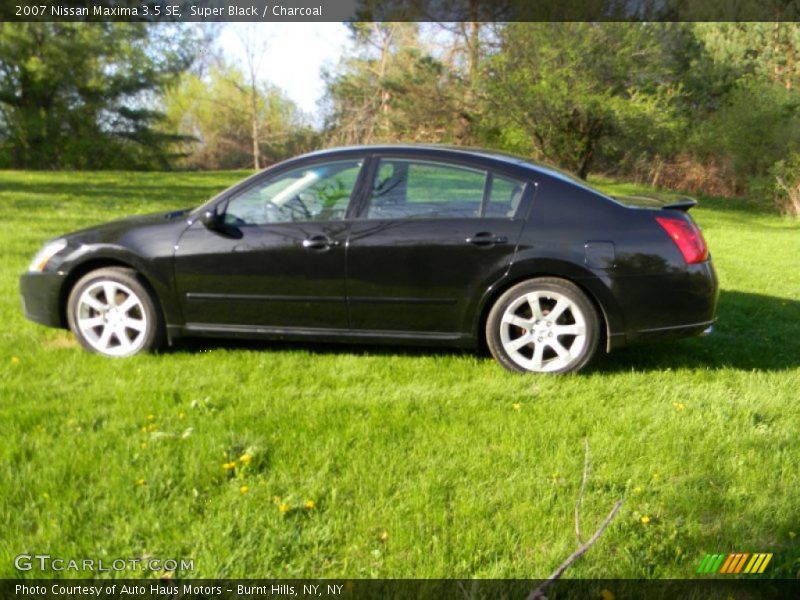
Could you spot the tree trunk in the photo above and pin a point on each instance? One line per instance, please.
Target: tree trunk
(254, 117)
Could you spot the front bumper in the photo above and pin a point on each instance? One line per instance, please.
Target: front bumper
(41, 297)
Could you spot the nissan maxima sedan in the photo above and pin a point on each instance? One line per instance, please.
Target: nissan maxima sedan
(389, 244)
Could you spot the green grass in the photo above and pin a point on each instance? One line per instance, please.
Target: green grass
(420, 463)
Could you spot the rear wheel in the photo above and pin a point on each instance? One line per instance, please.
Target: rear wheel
(111, 312)
(543, 325)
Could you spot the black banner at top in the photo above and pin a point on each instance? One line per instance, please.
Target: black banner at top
(399, 10)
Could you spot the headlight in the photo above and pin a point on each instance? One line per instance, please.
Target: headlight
(48, 251)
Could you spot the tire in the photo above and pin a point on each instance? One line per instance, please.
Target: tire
(521, 342)
(112, 313)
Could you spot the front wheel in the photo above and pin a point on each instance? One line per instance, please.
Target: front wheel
(112, 313)
(543, 325)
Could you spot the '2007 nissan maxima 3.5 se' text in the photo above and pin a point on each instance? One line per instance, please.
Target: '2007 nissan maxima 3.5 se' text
(398, 244)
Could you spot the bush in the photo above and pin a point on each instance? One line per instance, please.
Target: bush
(713, 177)
(786, 184)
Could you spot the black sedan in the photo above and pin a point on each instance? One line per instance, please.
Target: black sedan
(389, 244)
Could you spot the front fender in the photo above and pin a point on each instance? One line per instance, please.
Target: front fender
(156, 270)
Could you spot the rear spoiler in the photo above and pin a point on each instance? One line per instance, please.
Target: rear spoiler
(658, 201)
(683, 204)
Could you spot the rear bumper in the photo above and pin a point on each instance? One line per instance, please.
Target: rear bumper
(40, 298)
(669, 306)
(674, 332)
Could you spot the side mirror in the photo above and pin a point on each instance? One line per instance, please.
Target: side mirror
(212, 219)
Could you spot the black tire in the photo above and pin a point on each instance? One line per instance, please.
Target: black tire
(558, 344)
(147, 336)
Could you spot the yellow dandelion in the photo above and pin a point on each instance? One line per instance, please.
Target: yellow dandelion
(679, 406)
(229, 466)
(637, 489)
(181, 414)
(645, 519)
(140, 482)
(244, 489)
(46, 496)
(143, 445)
(245, 458)
(310, 504)
(151, 417)
(516, 406)
(384, 536)
(15, 360)
(284, 508)
(152, 427)
(607, 595)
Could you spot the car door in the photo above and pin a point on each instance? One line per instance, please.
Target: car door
(277, 259)
(430, 239)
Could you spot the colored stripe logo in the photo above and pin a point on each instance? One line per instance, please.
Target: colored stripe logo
(735, 562)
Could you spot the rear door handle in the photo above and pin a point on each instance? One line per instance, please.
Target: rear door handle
(486, 238)
(319, 242)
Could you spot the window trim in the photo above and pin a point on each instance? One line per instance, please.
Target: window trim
(361, 204)
(268, 174)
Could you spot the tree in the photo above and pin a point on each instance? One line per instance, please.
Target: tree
(753, 122)
(80, 95)
(214, 111)
(254, 46)
(565, 92)
(393, 89)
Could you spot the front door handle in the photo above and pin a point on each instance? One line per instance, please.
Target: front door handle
(319, 242)
(486, 238)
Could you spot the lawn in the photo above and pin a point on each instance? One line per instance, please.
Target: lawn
(279, 460)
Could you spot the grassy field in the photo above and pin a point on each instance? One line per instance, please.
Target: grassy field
(300, 461)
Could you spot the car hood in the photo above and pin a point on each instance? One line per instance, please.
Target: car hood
(112, 229)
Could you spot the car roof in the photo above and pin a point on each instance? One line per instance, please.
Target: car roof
(452, 151)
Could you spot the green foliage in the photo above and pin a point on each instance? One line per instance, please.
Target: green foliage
(394, 89)
(785, 184)
(555, 93)
(76, 95)
(697, 106)
(758, 124)
(421, 463)
(214, 112)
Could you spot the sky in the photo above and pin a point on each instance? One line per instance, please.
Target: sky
(294, 57)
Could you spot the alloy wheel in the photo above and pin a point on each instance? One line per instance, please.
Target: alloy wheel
(111, 318)
(543, 331)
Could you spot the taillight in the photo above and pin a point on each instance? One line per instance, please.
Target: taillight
(687, 238)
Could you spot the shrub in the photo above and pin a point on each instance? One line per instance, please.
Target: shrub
(786, 184)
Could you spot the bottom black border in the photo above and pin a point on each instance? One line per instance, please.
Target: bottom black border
(464, 589)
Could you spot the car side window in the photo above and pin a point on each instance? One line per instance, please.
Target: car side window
(408, 189)
(504, 197)
(313, 193)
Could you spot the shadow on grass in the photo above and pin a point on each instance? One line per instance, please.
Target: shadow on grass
(754, 331)
(362, 349)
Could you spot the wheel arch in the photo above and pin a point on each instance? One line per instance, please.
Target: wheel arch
(588, 284)
(93, 264)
